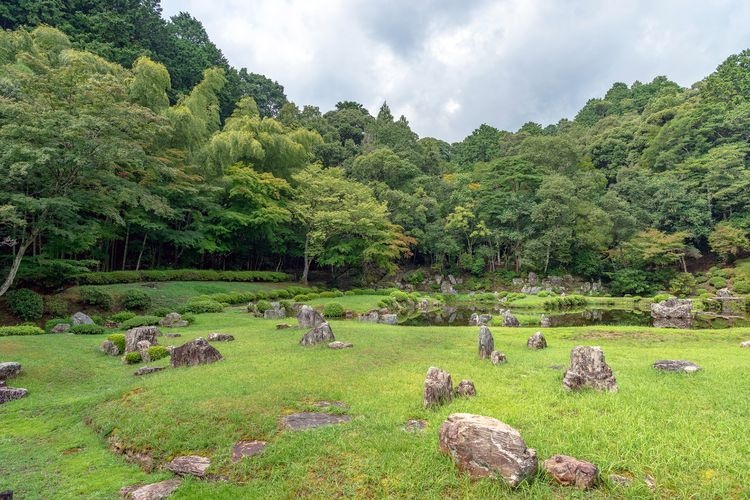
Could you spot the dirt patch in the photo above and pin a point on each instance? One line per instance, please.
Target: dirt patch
(142, 458)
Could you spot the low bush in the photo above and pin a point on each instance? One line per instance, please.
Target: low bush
(136, 299)
(25, 304)
(660, 297)
(122, 316)
(189, 318)
(415, 278)
(55, 306)
(136, 321)
(287, 305)
(544, 293)
(133, 358)
(202, 306)
(263, 306)
(86, 330)
(157, 352)
(118, 339)
(8, 331)
(682, 285)
(109, 278)
(261, 295)
(718, 282)
(160, 311)
(96, 297)
(567, 302)
(333, 310)
(741, 286)
(49, 325)
(399, 296)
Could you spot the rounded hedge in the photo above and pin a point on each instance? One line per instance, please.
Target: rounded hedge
(157, 352)
(136, 299)
(8, 331)
(133, 358)
(118, 339)
(86, 330)
(25, 304)
(96, 297)
(333, 310)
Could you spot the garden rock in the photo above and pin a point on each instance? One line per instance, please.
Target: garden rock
(220, 337)
(415, 425)
(339, 345)
(388, 319)
(147, 370)
(484, 447)
(447, 288)
(589, 369)
(537, 341)
(676, 365)
(438, 388)
(173, 335)
(242, 449)
(620, 480)
(190, 465)
(310, 420)
(80, 318)
(509, 319)
(724, 293)
(318, 335)
(309, 317)
(135, 335)
(173, 320)
(6, 495)
(276, 311)
(545, 321)
(61, 328)
(569, 471)
(283, 326)
(745, 344)
(466, 388)
(371, 317)
(154, 491)
(9, 369)
(11, 393)
(486, 342)
(142, 348)
(672, 313)
(498, 358)
(196, 352)
(110, 348)
(480, 319)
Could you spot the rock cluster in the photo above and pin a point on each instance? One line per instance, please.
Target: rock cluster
(672, 313)
(537, 341)
(196, 352)
(486, 342)
(276, 311)
(379, 316)
(480, 319)
(589, 369)
(173, 320)
(318, 335)
(438, 388)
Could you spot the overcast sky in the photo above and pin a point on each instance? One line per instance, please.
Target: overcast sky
(451, 65)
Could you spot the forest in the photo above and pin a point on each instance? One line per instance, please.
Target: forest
(128, 142)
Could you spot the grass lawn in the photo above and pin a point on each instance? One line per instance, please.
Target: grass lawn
(358, 303)
(688, 432)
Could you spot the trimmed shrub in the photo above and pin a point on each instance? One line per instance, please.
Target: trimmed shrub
(660, 297)
(682, 285)
(133, 358)
(87, 330)
(109, 278)
(136, 299)
(157, 352)
(8, 331)
(415, 278)
(718, 282)
(741, 286)
(189, 318)
(567, 302)
(333, 310)
(25, 304)
(49, 325)
(122, 316)
(400, 296)
(96, 297)
(55, 306)
(263, 306)
(160, 311)
(140, 321)
(118, 339)
(202, 306)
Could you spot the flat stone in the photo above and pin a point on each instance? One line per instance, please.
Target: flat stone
(415, 425)
(242, 449)
(438, 387)
(537, 341)
(498, 358)
(220, 337)
(620, 480)
(589, 369)
(190, 465)
(311, 420)
(676, 365)
(569, 471)
(9, 369)
(340, 345)
(466, 389)
(146, 370)
(11, 393)
(154, 491)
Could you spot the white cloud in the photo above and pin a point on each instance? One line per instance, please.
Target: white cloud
(450, 66)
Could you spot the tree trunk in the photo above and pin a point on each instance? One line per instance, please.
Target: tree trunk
(546, 260)
(307, 260)
(125, 247)
(140, 255)
(16, 264)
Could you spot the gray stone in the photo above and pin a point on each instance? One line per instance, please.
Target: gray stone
(569, 471)
(189, 465)
(242, 449)
(672, 313)
(486, 447)
(533, 279)
(310, 420)
(388, 319)
(135, 335)
(545, 321)
(537, 341)
(339, 345)
(9, 369)
(11, 393)
(318, 335)
(276, 311)
(745, 343)
(309, 317)
(110, 348)
(498, 358)
(447, 288)
(415, 425)
(589, 369)
(438, 388)
(142, 348)
(724, 293)
(486, 342)
(480, 319)
(676, 365)
(196, 352)
(173, 320)
(147, 370)
(80, 318)
(370, 317)
(220, 337)
(466, 388)
(154, 491)
(509, 319)
(620, 480)
(61, 328)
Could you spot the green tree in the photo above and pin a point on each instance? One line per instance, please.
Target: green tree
(728, 241)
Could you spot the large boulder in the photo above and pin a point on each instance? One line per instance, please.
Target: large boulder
(438, 388)
(154, 491)
(466, 388)
(486, 447)
(569, 471)
(80, 318)
(480, 319)
(196, 352)
(486, 342)
(11, 393)
(537, 341)
(309, 317)
(173, 320)
(135, 335)
(676, 365)
(9, 369)
(190, 465)
(509, 319)
(276, 311)
(318, 335)
(672, 313)
(589, 369)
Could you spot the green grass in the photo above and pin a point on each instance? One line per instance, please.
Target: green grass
(688, 432)
(358, 303)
